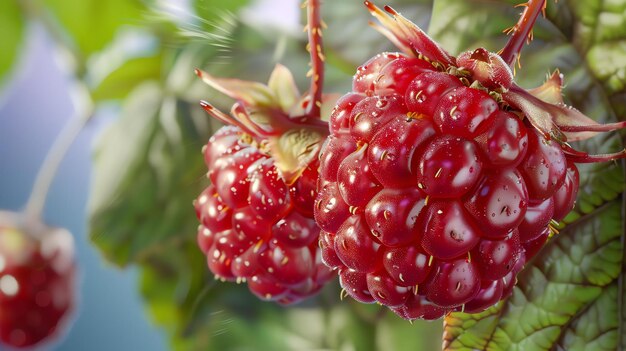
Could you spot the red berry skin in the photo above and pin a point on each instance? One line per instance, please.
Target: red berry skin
(499, 203)
(265, 289)
(366, 74)
(231, 176)
(496, 258)
(37, 281)
(544, 167)
(295, 231)
(304, 191)
(355, 284)
(269, 195)
(464, 112)
(487, 296)
(453, 283)
(407, 265)
(205, 239)
(340, 115)
(329, 255)
(227, 245)
(212, 212)
(372, 113)
(287, 265)
(246, 265)
(335, 150)
(418, 307)
(565, 196)
(224, 142)
(510, 280)
(425, 91)
(385, 290)
(247, 223)
(396, 75)
(322, 275)
(450, 232)
(505, 141)
(448, 167)
(355, 245)
(532, 247)
(356, 183)
(393, 216)
(331, 210)
(537, 218)
(391, 151)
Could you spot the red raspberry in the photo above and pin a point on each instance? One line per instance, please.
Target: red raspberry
(37, 281)
(438, 181)
(255, 225)
(256, 218)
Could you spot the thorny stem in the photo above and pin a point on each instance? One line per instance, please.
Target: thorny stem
(315, 48)
(522, 30)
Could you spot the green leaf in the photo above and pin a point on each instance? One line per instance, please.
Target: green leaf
(567, 296)
(146, 174)
(125, 78)
(12, 28)
(211, 9)
(92, 24)
(591, 330)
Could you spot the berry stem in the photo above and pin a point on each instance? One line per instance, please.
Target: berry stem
(315, 47)
(83, 109)
(522, 30)
(51, 163)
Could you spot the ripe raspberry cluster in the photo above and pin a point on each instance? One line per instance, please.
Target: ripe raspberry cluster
(432, 194)
(441, 177)
(256, 218)
(37, 277)
(254, 227)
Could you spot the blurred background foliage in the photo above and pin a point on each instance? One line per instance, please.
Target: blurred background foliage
(138, 56)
